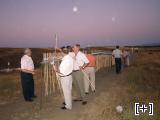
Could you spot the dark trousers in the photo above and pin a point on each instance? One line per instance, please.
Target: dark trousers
(118, 64)
(27, 85)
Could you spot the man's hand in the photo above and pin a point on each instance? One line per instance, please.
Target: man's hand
(28, 71)
(81, 67)
(33, 72)
(55, 68)
(19, 69)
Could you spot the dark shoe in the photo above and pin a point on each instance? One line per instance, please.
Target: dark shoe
(64, 103)
(84, 102)
(63, 108)
(29, 100)
(94, 91)
(77, 100)
(34, 96)
(86, 93)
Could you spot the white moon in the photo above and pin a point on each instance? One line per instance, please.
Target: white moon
(75, 9)
(113, 19)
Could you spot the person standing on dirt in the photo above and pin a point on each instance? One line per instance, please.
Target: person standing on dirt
(126, 56)
(65, 71)
(90, 72)
(117, 54)
(80, 62)
(27, 72)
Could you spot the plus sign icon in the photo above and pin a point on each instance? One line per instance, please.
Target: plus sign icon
(143, 108)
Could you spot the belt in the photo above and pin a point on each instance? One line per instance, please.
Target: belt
(76, 70)
(26, 73)
(66, 75)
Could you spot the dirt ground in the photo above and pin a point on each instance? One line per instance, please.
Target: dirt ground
(111, 90)
(21, 110)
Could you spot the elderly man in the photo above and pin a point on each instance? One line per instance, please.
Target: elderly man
(27, 71)
(80, 63)
(117, 54)
(65, 71)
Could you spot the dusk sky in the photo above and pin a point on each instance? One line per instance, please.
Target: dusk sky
(34, 23)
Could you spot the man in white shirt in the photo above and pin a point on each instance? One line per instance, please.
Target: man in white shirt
(65, 71)
(117, 54)
(80, 62)
(27, 71)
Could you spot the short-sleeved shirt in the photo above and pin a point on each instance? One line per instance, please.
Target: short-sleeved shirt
(27, 63)
(117, 53)
(66, 66)
(92, 60)
(80, 60)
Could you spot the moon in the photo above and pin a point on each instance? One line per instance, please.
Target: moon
(75, 9)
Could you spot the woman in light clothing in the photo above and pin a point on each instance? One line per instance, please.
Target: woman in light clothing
(126, 56)
(90, 71)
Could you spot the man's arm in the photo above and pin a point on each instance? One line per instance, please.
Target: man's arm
(86, 61)
(84, 65)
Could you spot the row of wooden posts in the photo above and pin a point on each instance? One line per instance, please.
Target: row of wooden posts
(50, 79)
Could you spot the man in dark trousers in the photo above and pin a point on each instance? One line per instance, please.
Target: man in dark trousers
(27, 71)
(117, 54)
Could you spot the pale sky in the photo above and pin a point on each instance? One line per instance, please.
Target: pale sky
(33, 23)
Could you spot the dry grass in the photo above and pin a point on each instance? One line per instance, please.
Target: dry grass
(13, 55)
(9, 87)
(139, 83)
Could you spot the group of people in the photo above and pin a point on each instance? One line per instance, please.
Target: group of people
(76, 67)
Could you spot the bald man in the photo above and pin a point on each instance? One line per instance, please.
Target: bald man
(27, 71)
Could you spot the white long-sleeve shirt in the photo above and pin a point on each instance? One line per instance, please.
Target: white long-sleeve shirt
(27, 63)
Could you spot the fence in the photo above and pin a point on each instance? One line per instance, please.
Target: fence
(50, 80)
(104, 61)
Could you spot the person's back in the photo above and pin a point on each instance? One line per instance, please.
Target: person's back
(90, 72)
(66, 69)
(92, 60)
(66, 66)
(117, 53)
